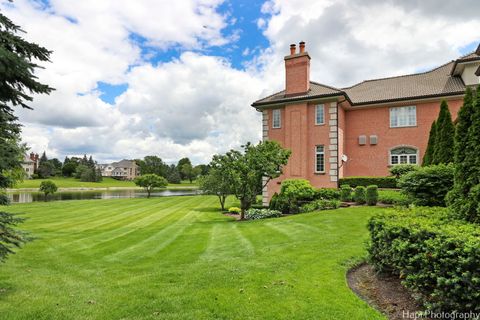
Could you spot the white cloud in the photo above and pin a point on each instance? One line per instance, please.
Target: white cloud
(198, 105)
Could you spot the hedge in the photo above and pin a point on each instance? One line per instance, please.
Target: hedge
(381, 182)
(436, 258)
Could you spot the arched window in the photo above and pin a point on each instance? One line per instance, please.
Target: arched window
(403, 155)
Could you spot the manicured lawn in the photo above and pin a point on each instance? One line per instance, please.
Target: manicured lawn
(179, 258)
(75, 183)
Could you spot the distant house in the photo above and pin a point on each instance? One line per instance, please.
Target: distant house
(361, 130)
(29, 165)
(124, 169)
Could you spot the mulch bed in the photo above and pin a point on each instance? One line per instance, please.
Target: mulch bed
(383, 292)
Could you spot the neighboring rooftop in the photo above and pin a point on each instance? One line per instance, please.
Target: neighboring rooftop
(436, 82)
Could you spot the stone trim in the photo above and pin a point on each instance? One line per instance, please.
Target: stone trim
(265, 138)
(333, 146)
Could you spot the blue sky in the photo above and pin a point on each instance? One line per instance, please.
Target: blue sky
(177, 78)
(249, 41)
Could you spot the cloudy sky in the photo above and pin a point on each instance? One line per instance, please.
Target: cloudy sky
(176, 78)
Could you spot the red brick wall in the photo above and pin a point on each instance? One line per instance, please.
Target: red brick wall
(297, 74)
(372, 160)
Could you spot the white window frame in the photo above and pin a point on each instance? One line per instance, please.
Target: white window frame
(399, 159)
(319, 107)
(404, 119)
(317, 153)
(278, 113)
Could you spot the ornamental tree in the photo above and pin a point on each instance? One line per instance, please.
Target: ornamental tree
(251, 169)
(150, 182)
(17, 84)
(217, 182)
(48, 187)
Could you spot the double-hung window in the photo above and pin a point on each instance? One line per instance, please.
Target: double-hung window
(403, 117)
(276, 118)
(319, 114)
(320, 159)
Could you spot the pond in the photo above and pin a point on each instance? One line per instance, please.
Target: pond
(29, 196)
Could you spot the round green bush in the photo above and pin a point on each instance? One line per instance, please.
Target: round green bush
(372, 195)
(359, 195)
(345, 193)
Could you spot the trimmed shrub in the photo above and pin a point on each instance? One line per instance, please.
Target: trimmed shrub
(321, 204)
(401, 169)
(393, 197)
(327, 194)
(381, 182)
(372, 195)
(297, 189)
(256, 214)
(428, 186)
(436, 258)
(234, 210)
(345, 193)
(359, 195)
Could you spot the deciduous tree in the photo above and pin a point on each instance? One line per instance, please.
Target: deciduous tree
(149, 182)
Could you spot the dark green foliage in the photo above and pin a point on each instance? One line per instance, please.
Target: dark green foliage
(436, 258)
(173, 176)
(327, 194)
(152, 164)
(10, 238)
(401, 169)
(359, 195)
(48, 187)
(345, 193)
(371, 195)
(381, 182)
(428, 186)
(17, 83)
(464, 200)
(183, 163)
(320, 204)
(150, 182)
(444, 136)
(69, 167)
(428, 157)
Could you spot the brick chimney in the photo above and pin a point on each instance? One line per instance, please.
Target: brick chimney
(297, 71)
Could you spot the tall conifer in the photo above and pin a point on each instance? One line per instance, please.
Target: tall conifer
(445, 133)
(428, 157)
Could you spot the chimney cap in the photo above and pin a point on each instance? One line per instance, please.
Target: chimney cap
(302, 43)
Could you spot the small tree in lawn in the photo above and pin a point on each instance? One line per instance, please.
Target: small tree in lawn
(428, 157)
(246, 169)
(149, 182)
(444, 137)
(48, 187)
(217, 182)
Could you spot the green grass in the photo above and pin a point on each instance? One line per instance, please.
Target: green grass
(62, 182)
(179, 258)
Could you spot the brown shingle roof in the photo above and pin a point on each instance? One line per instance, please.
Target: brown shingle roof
(317, 90)
(437, 82)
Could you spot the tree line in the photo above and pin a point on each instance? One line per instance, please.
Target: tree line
(173, 173)
(84, 168)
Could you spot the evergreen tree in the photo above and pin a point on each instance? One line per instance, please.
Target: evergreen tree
(444, 138)
(84, 160)
(464, 199)
(428, 157)
(91, 163)
(17, 81)
(43, 158)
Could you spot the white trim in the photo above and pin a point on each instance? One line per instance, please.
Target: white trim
(319, 153)
(417, 155)
(279, 119)
(391, 109)
(317, 107)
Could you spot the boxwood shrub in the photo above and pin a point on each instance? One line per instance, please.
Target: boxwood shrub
(371, 195)
(359, 195)
(321, 204)
(381, 182)
(345, 193)
(436, 258)
(327, 194)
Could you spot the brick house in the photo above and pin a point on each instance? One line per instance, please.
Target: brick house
(360, 130)
(123, 170)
